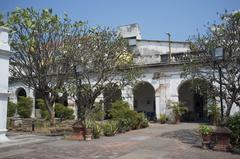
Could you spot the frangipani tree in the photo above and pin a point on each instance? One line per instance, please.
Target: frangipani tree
(202, 65)
(38, 39)
(100, 59)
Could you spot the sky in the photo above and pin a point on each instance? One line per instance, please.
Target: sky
(182, 18)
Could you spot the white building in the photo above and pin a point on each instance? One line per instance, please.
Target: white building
(4, 65)
(161, 80)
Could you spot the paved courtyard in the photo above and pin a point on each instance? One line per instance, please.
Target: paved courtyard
(156, 142)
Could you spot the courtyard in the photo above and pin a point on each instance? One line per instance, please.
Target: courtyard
(158, 141)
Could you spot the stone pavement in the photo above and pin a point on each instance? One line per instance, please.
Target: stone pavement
(156, 142)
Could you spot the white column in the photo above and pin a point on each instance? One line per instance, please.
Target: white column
(157, 105)
(4, 74)
(33, 107)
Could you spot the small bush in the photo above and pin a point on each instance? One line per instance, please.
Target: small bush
(119, 109)
(97, 130)
(43, 109)
(123, 125)
(24, 107)
(110, 128)
(127, 119)
(143, 120)
(162, 118)
(63, 112)
(11, 109)
(233, 123)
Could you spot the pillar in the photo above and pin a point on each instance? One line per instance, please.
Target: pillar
(157, 106)
(4, 65)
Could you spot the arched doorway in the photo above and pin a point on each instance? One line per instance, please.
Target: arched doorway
(194, 99)
(144, 99)
(20, 93)
(111, 93)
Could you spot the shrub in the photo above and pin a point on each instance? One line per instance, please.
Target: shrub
(110, 128)
(123, 125)
(205, 130)
(127, 119)
(119, 109)
(97, 130)
(233, 124)
(43, 109)
(162, 118)
(143, 121)
(24, 107)
(11, 109)
(63, 112)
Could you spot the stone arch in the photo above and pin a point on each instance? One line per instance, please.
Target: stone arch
(194, 100)
(144, 99)
(20, 92)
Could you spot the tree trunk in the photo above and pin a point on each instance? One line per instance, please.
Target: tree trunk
(50, 108)
(228, 111)
(84, 108)
(53, 121)
(229, 107)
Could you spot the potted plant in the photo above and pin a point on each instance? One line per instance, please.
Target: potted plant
(78, 131)
(206, 133)
(162, 118)
(178, 110)
(97, 130)
(88, 125)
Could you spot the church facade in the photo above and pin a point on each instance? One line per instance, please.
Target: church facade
(161, 82)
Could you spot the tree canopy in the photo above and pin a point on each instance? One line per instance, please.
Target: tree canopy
(100, 59)
(202, 65)
(54, 54)
(37, 38)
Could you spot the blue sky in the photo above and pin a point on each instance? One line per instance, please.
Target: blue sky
(181, 18)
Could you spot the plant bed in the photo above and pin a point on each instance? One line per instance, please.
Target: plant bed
(60, 131)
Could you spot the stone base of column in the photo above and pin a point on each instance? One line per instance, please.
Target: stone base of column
(3, 137)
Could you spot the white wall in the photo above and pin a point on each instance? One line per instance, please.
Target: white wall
(4, 65)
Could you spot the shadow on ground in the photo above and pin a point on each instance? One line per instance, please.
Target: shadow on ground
(186, 136)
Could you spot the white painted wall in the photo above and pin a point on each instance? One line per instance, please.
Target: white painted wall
(166, 87)
(128, 31)
(4, 65)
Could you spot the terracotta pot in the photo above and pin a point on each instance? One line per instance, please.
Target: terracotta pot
(162, 121)
(88, 134)
(206, 140)
(78, 131)
(177, 120)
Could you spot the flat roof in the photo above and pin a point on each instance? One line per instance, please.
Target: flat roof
(165, 41)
